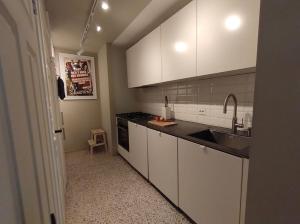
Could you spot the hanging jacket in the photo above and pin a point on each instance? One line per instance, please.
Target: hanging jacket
(61, 88)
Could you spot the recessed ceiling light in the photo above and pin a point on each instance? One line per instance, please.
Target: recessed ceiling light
(98, 28)
(105, 5)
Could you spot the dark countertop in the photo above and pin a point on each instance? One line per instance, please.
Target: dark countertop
(183, 129)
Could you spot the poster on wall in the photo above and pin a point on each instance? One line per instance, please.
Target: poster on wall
(78, 74)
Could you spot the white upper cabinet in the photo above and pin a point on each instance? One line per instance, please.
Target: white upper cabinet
(227, 33)
(144, 61)
(178, 41)
(205, 37)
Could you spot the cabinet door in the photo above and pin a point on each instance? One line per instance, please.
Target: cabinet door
(244, 190)
(144, 61)
(179, 44)
(209, 184)
(138, 156)
(227, 33)
(132, 59)
(162, 152)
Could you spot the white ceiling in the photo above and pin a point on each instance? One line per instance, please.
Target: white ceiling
(68, 18)
(150, 17)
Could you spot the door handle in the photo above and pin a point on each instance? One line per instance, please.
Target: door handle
(58, 131)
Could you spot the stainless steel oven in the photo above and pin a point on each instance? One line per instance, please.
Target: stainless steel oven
(123, 135)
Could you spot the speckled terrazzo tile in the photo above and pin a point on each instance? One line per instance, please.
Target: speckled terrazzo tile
(104, 189)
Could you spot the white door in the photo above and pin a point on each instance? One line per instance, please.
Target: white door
(52, 109)
(162, 156)
(25, 145)
(138, 155)
(209, 184)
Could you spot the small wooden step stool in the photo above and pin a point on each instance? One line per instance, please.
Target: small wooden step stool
(98, 138)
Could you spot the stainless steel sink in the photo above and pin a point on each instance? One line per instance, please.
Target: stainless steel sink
(224, 139)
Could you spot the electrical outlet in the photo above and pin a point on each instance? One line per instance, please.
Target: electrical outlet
(202, 111)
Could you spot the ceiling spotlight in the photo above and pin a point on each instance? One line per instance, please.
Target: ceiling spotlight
(98, 28)
(80, 52)
(104, 5)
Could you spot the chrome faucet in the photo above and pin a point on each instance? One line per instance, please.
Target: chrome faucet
(235, 125)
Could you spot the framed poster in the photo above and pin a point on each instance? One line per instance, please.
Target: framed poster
(78, 74)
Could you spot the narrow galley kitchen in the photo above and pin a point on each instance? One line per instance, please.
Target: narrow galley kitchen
(149, 112)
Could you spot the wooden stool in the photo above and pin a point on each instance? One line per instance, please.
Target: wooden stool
(98, 138)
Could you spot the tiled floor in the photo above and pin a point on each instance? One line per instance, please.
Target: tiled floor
(105, 189)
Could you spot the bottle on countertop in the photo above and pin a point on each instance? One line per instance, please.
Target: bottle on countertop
(166, 110)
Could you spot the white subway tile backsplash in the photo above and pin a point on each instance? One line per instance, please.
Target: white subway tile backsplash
(202, 100)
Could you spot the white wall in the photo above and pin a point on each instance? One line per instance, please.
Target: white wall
(187, 98)
(115, 95)
(79, 116)
(104, 84)
(124, 99)
(274, 174)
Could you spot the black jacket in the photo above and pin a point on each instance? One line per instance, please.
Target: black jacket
(61, 88)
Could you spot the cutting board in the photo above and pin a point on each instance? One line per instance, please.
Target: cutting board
(162, 123)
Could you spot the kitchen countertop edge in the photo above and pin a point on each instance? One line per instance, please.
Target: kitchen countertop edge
(190, 127)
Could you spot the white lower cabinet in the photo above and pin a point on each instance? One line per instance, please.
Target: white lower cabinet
(138, 148)
(209, 184)
(162, 155)
(123, 152)
(244, 190)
